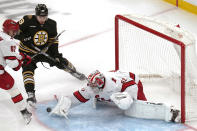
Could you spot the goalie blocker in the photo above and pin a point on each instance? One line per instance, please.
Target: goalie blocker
(124, 89)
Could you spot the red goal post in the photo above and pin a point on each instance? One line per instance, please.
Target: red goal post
(152, 48)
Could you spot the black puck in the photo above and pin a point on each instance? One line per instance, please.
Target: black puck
(48, 109)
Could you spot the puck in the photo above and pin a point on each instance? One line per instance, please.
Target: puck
(48, 109)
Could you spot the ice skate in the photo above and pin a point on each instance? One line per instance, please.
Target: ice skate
(176, 116)
(31, 100)
(26, 115)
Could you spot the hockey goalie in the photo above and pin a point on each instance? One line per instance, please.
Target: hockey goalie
(124, 89)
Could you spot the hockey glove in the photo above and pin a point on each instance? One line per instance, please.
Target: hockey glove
(61, 62)
(62, 107)
(25, 59)
(122, 99)
(19, 65)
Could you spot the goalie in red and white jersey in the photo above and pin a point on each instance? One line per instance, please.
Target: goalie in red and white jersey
(124, 89)
(10, 57)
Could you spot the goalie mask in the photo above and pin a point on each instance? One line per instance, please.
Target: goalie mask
(96, 79)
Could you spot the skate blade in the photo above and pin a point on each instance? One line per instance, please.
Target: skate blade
(31, 105)
(27, 121)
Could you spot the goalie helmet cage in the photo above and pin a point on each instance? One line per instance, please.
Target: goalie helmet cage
(152, 48)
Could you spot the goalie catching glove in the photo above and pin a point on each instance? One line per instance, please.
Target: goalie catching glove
(62, 107)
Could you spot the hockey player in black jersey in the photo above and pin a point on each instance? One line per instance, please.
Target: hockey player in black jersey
(38, 39)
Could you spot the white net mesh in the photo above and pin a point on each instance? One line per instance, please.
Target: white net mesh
(144, 52)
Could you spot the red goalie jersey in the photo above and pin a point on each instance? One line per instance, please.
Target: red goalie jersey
(111, 83)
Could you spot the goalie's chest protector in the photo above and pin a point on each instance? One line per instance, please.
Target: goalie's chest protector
(113, 84)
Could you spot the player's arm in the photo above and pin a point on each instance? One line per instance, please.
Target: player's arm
(12, 58)
(82, 96)
(24, 36)
(23, 25)
(53, 49)
(65, 103)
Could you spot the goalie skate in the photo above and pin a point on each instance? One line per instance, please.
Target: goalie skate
(176, 116)
(26, 116)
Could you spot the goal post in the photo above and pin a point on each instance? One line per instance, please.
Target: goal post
(157, 50)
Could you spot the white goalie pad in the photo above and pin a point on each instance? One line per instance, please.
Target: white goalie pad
(62, 107)
(122, 99)
(149, 110)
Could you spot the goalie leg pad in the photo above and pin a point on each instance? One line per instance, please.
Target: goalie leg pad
(149, 110)
(146, 110)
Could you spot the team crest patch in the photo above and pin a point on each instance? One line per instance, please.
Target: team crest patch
(40, 38)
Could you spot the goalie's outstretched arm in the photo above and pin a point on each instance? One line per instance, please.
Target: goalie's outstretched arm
(67, 102)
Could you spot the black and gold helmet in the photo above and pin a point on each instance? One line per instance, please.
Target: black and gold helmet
(41, 10)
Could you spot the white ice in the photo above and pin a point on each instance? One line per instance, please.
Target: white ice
(88, 43)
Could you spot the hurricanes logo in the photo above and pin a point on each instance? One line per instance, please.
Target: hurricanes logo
(40, 38)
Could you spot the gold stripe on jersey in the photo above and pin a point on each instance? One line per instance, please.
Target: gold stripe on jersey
(53, 40)
(26, 49)
(56, 42)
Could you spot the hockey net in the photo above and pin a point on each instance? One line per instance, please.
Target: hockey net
(157, 52)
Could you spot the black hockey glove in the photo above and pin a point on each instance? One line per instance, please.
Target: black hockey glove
(61, 62)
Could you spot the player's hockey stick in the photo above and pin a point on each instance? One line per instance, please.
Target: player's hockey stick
(64, 66)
